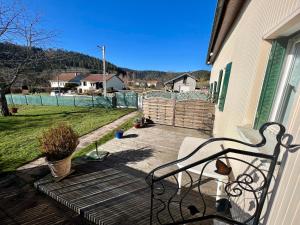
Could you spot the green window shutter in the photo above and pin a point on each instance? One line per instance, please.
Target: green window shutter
(210, 91)
(219, 85)
(215, 91)
(225, 87)
(211, 88)
(270, 83)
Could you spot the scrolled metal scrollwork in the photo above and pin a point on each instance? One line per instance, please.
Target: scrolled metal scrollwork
(189, 204)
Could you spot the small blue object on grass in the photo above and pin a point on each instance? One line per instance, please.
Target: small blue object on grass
(119, 134)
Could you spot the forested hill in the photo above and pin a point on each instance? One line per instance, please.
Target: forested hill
(56, 60)
(163, 76)
(53, 59)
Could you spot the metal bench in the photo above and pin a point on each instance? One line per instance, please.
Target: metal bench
(242, 173)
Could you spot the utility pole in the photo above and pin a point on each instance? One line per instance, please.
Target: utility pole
(58, 84)
(104, 71)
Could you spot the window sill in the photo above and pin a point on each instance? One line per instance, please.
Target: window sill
(252, 136)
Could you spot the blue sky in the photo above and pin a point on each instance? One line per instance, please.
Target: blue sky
(169, 35)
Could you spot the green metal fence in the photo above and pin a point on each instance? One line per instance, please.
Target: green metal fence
(127, 99)
(122, 100)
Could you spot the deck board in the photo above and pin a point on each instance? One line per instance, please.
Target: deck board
(106, 195)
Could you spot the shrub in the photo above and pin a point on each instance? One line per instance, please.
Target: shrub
(58, 142)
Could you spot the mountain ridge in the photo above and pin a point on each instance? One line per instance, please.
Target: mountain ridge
(64, 61)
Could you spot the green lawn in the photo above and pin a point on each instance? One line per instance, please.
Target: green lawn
(19, 133)
(125, 126)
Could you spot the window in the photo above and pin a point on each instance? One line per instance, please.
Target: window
(211, 86)
(215, 91)
(84, 83)
(271, 80)
(289, 88)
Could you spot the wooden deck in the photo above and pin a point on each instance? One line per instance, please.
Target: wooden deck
(114, 192)
(104, 195)
(20, 203)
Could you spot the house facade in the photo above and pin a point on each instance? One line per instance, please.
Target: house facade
(94, 82)
(182, 83)
(60, 80)
(152, 83)
(254, 51)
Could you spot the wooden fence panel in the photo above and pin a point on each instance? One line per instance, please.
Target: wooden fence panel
(196, 114)
(161, 111)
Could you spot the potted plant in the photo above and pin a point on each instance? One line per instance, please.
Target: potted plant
(58, 144)
(14, 109)
(137, 123)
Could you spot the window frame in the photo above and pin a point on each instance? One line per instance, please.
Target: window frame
(280, 96)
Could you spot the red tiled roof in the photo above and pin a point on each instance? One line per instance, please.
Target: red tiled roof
(97, 77)
(66, 76)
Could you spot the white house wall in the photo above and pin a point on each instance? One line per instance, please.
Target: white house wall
(248, 50)
(55, 84)
(189, 82)
(114, 82)
(87, 87)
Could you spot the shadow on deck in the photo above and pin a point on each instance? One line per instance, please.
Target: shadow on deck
(103, 193)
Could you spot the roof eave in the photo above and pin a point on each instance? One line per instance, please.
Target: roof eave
(175, 78)
(226, 13)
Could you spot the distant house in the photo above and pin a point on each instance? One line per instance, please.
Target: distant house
(183, 83)
(140, 83)
(94, 82)
(60, 80)
(152, 83)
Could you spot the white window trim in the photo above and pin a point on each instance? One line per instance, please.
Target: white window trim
(276, 109)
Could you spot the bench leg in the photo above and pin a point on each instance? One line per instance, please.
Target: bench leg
(179, 178)
(220, 190)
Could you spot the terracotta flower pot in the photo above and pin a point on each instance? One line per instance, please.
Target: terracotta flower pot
(60, 168)
(137, 125)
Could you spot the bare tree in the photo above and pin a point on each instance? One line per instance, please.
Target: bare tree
(16, 26)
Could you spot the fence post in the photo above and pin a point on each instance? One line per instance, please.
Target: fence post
(137, 99)
(41, 99)
(93, 100)
(56, 100)
(12, 100)
(174, 108)
(26, 100)
(74, 101)
(114, 100)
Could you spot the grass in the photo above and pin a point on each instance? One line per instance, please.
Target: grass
(19, 134)
(125, 126)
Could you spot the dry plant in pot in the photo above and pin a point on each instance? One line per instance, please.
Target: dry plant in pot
(58, 144)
